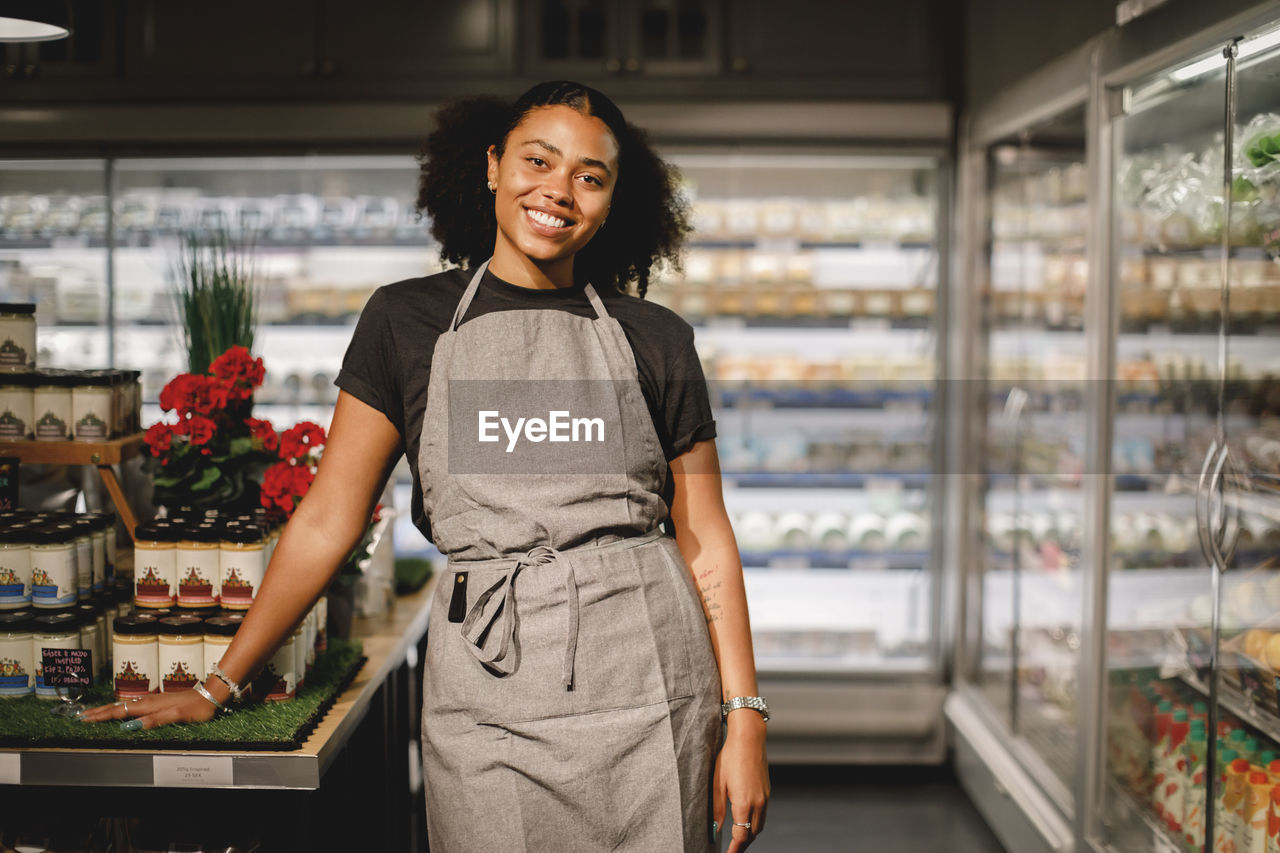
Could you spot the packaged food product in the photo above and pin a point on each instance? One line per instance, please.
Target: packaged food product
(17, 407)
(17, 337)
(17, 664)
(155, 565)
(52, 631)
(15, 567)
(135, 655)
(180, 650)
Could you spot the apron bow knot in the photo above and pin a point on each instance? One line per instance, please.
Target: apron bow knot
(490, 626)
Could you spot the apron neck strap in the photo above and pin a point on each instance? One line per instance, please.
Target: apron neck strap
(465, 302)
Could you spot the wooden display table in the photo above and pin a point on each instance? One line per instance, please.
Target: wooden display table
(361, 749)
(101, 454)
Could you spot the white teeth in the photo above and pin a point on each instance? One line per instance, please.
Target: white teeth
(546, 219)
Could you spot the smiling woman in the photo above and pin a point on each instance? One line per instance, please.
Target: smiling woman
(589, 681)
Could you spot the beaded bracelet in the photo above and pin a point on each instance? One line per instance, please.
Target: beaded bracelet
(237, 694)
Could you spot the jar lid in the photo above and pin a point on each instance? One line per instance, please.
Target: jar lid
(16, 620)
(51, 534)
(241, 534)
(200, 533)
(181, 625)
(94, 379)
(220, 626)
(56, 623)
(134, 623)
(156, 531)
(88, 610)
(98, 519)
(54, 378)
(16, 533)
(84, 526)
(17, 308)
(21, 380)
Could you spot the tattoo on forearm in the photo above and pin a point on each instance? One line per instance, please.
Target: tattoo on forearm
(710, 602)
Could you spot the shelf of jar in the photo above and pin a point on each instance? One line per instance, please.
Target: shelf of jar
(101, 454)
(845, 559)
(111, 452)
(1238, 704)
(905, 401)
(386, 641)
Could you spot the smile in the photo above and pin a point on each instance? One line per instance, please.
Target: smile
(546, 219)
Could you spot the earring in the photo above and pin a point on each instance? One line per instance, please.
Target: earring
(492, 188)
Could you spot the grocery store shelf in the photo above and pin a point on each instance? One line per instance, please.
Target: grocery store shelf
(1130, 811)
(887, 481)
(840, 560)
(1263, 503)
(824, 398)
(386, 639)
(74, 452)
(1239, 704)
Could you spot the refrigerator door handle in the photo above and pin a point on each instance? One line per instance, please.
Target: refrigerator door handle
(1202, 498)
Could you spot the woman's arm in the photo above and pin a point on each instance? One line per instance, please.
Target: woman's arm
(706, 541)
(359, 452)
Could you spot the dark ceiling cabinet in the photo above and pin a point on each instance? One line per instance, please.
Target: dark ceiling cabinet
(313, 50)
(593, 38)
(893, 48)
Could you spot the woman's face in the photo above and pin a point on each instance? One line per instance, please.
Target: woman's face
(553, 185)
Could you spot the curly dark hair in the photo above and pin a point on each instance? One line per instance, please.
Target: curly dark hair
(648, 220)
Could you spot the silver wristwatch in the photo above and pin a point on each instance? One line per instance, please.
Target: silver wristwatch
(756, 703)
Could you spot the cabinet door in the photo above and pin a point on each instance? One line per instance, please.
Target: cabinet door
(89, 52)
(234, 39)
(877, 42)
(410, 38)
(575, 37)
(674, 37)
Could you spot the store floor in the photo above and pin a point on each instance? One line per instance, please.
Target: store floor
(836, 809)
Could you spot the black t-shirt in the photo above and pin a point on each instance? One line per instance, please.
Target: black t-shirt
(388, 363)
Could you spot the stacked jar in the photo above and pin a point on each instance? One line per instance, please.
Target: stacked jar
(58, 405)
(17, 337)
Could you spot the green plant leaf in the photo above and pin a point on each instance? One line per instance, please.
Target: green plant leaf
(208, 477)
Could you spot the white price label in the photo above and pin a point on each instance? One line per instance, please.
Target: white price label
(10, 768)
(198, 771)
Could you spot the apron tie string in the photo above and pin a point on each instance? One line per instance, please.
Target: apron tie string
(491, 622)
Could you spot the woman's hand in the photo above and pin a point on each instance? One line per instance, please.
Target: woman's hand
(154, 709)
(742, 776)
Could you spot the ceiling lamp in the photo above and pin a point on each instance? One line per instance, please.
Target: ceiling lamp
(34, 20)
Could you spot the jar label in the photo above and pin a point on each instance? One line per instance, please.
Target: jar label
(15, 588)
(15, 669)
(133, 668)
(198, 580)
(50, 427)
(12, 426)
(91, 428)
(154, 582)
(242, 573)
(281, 675)
(180, 676)
(49, 591)
(13, 355)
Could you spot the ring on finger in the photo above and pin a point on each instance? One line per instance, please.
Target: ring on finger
(746, 826)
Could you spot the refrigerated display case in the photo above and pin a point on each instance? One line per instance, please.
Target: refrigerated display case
(1173, 588)
(812, 279)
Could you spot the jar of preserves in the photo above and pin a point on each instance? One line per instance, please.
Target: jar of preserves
(51, 406)
(155, 567)
(243, 564)
(98, 537)
(15, 566)
(53, 567)
(17, 337)
(219, 631)
(199, 563)
(92, 414)
(299, 657)
(17, 664)
(134, 656)
(17, 407)
(94, 638)
(181, 650)
(53, 631)
(83, 528)
(280, 673)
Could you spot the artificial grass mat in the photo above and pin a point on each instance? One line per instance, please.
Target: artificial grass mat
(25, 722)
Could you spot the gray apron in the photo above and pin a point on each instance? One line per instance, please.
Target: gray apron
(571, 696)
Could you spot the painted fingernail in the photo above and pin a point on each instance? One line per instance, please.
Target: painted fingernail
(131, 725)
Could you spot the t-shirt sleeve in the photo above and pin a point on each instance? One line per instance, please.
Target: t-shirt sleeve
(370, 369)
(686, 404)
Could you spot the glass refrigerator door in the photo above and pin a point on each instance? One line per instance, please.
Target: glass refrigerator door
(1032, 458)
(1194, 594)
(53, 253)
(811, 280)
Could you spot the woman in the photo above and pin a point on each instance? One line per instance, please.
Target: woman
(572, 696)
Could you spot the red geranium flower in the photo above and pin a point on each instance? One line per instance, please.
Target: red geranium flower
(239, 371)
(159, 438)
(299, 440)
(201, 429)
(263, 431)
